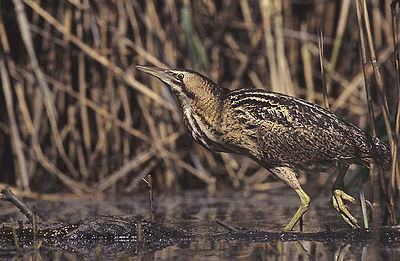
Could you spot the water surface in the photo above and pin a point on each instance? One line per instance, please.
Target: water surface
(185, 228)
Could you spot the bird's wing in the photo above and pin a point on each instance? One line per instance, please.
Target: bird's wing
(292, 130)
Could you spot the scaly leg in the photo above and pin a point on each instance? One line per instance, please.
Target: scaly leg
(288, 176)
(305, 204)
(338, 197)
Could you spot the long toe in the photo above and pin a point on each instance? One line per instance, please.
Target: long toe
(338, 197)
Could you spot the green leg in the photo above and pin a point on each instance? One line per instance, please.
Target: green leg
(305, 204)
(289, 177)
(338, 197)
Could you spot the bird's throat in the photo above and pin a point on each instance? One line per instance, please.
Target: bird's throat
(201, 119)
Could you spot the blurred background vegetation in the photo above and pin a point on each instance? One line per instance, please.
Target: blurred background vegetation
(76, 117)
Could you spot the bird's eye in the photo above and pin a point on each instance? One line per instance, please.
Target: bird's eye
(179, 76)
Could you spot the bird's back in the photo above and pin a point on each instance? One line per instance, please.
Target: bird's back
(296, 133)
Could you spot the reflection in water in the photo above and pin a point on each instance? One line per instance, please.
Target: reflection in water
(342, 251)
(195, 213)
(278, 250)
(284, 251)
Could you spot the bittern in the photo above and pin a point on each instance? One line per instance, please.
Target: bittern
(283, 134)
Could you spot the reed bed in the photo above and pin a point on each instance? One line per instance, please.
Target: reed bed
(77, 118)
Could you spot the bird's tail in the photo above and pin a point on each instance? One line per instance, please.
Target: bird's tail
(381, 153)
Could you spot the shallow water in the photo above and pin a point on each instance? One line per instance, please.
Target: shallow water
(191, 230)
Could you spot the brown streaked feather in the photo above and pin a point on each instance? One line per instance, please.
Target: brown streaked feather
(293, 132)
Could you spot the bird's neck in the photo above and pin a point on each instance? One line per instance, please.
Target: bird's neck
(202, 115)
(206, 103)
(206, 107)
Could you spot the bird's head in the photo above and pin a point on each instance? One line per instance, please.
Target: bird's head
(185, 84)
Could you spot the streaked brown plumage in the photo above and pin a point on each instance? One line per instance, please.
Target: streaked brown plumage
(281, 133)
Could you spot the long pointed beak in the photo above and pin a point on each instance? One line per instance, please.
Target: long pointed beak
(163, 75)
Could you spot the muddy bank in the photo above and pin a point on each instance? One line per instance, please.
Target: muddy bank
(186, 226)
(112, 236)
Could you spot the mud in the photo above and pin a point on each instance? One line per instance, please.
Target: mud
(185, 227)
(115, 235)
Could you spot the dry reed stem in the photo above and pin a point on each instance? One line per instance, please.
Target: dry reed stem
(97, 56)
(321, 62)
(8, 195)
(3, 38)
(138, 160)
(83, 109)
(358, 81)
(15, 237)
(342, 22)
(307, 67)
(363, 37)
(367, 88)
(27, 39)
(286, 85)
(51, 196)
(23, 107)
(247, 16)
(201, 175)
(266, 8)
(378, 77)
(395, 174)
(141, 175)
(232, 172)
(36, 244)
(51, 112)
(396, 66)
(98, 109)
(75, 186)
(149, 183)
(15, 137)
(226, 225)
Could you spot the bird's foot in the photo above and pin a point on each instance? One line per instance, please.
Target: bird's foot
(337, 197)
